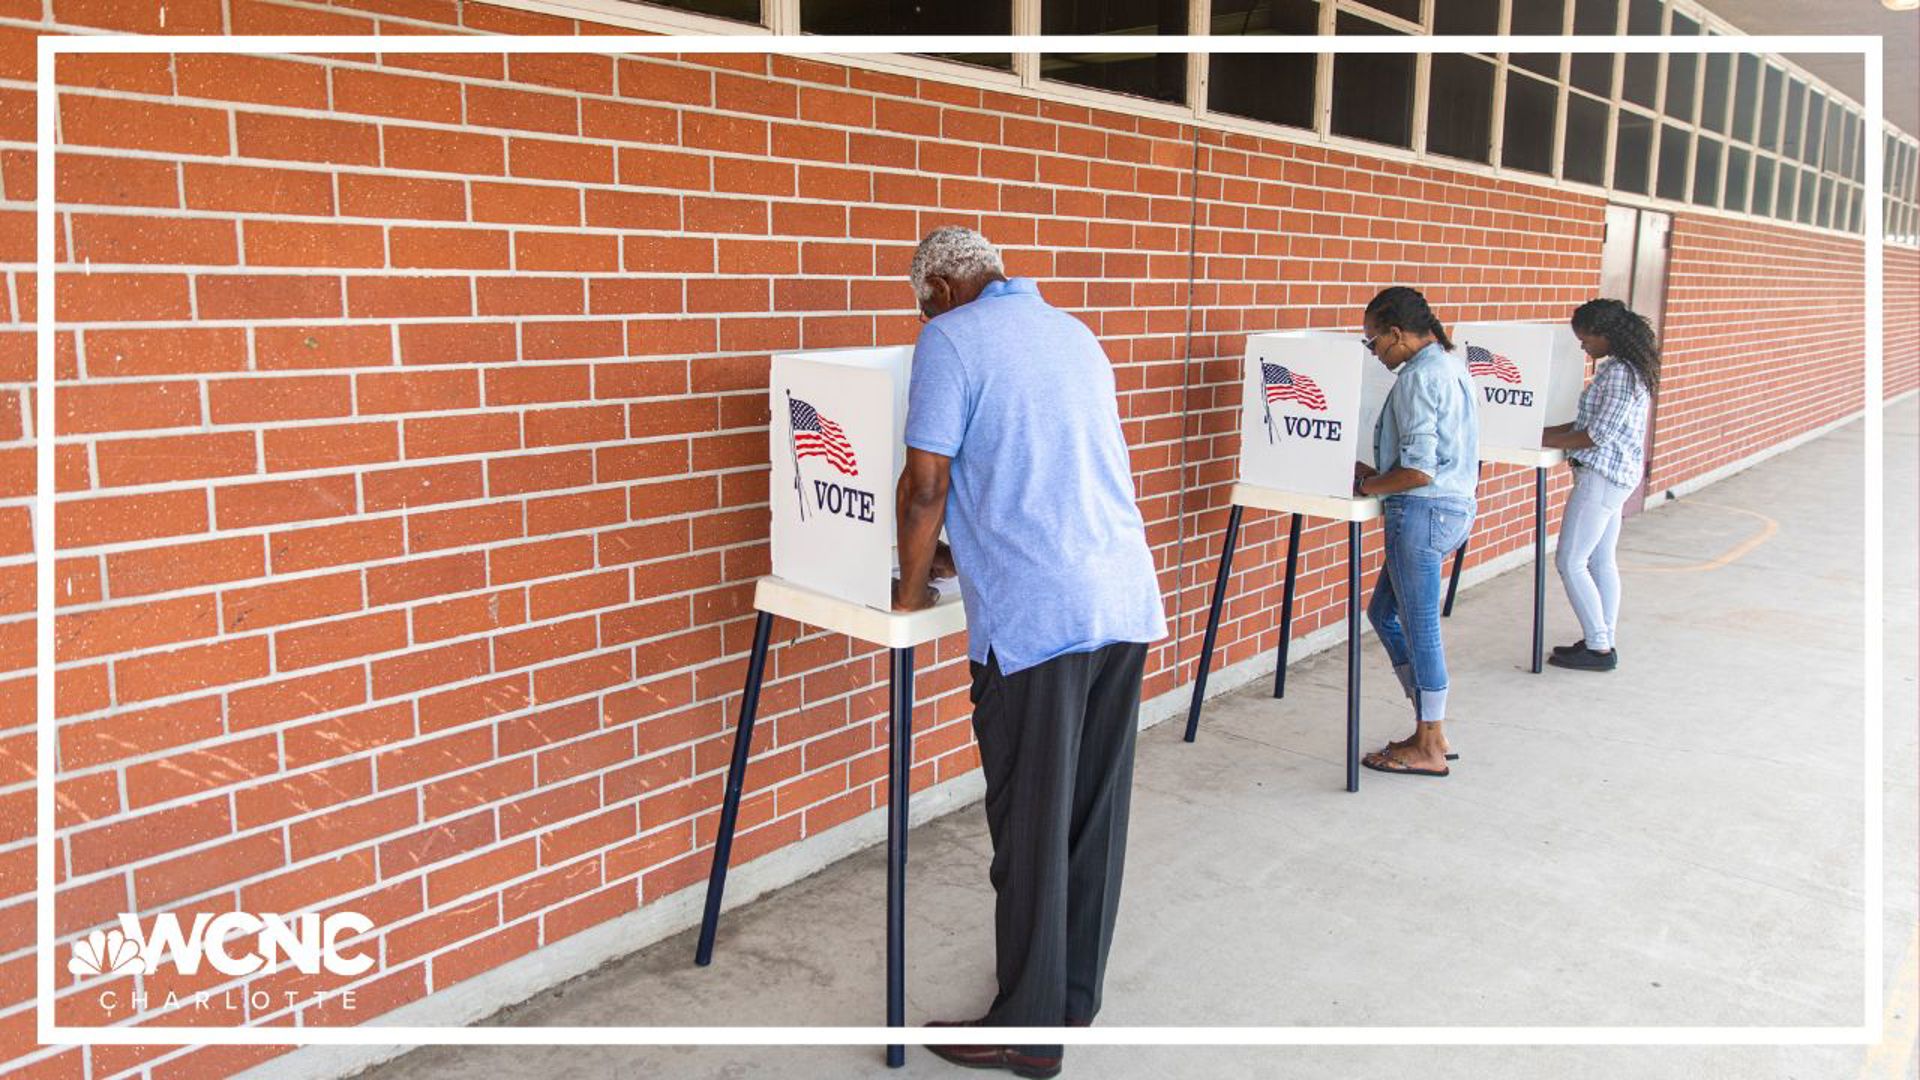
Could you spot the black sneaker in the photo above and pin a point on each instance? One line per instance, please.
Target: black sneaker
(1587, 660)
(1569, 650)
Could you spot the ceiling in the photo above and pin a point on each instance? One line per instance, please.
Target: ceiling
(1900, 30)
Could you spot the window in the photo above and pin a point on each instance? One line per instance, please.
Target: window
(1762, 184)
(1770, 103)
(1816, 120)
(1783, 199)
(1823, 213)
(1372, 94)
(1736, 192)
(746, 11)
(1632, 151)
(1585, 155)
(1713, 92)
(1276, 88)
(1405, 9)
(1746, 96)
(1836, 130)
(1538, 17)
(1460, 107)
(1466, 16)
(1672, 183)
(1681, 68)
(1796, 114)
(1809, 194)
(1593, 72)
(1642, 79)
(1159, 76)
(1706, 172)
(881, 17)
(1526, 141)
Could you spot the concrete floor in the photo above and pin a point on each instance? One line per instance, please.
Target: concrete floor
(1678, 843)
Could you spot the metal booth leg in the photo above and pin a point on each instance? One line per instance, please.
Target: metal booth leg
(899, 789)
(1213, 622)
(1286, 608)
(736, 774)
(1453, 581)
(1539, 565)
(1353, 656)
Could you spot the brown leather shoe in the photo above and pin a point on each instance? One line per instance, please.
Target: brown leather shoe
(1000, 1057)
(994, 1057)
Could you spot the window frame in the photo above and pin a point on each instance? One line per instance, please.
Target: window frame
(783, 17)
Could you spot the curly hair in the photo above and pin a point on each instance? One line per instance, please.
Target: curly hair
(956, 253)
(1629, 335)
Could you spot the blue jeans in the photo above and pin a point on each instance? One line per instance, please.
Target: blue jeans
(1405, 611)
(1589, 532)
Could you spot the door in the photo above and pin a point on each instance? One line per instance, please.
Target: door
(1633, 269)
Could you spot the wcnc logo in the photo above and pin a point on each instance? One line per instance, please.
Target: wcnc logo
(307, 941)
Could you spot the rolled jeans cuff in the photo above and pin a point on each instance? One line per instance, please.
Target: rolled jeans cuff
(1404, 672)
(1433, 706)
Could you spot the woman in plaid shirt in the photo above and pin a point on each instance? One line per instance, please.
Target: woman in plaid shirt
(1606, 446)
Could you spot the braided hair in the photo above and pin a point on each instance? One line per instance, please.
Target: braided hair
(1401, 308)
(1629, 336)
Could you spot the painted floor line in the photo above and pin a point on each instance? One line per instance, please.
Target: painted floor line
(1730, 556)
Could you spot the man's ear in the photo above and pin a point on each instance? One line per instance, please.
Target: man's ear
(940, 292)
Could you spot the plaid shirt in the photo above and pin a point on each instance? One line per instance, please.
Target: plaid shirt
(1613, 413)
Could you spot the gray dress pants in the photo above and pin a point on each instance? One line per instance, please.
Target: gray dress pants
(1056, 744)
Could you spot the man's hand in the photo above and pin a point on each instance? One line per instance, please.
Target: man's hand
(943, 562)
(905, 602)
(1362, 470)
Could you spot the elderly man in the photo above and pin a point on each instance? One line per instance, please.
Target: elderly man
(1014, 444)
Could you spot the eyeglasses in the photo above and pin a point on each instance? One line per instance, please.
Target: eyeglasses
(1367, 342)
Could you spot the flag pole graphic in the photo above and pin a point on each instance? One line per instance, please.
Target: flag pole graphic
(799, 493)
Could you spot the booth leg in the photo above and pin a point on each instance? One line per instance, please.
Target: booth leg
(1213, 623)
(1286, 608)
(736, 775)
(1539, 565)
(1453, 581)
(1353, 656)
(899, 787)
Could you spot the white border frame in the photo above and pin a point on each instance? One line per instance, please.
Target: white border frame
(48, 1032)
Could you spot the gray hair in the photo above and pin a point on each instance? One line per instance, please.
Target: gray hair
(956, 253)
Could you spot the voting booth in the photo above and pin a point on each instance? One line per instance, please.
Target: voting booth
(1526, 376)
(1308, 405)
(838, 443)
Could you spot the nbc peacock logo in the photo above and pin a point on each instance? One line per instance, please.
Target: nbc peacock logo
(104, 952)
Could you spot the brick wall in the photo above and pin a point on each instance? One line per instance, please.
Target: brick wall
(413, 467)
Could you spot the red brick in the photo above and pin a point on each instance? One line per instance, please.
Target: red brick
(489, 106)
(585, 73)
(147, 835)
(525, 204)
(111, 297)
(239, 506)
(267, 296)
(268, 400)
(462, 705)
(430, 150)
(198, 771)
(207, 869)
(525, 295)
(467, 615)
(395, 489)
(253, 189)
(340, 639)
(403, 96)
(340, 736)
(142, 125)
(457, 343)
(138, 732)
(90, 180)
(257, 79)
(565, 252)
(284, 348)
(466, 249)
(305, 243)
(657, 80)
(183, 566)
(295, 550)
(194, 668)
(174, 457)
(301, 138)
(266, 606)
(121, 518)
(394, 296)
(126, 238)
(544, 159)
(402, 197)
(418, 578)
(331, 446)
(114, 407)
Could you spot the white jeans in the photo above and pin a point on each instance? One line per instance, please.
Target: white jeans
(1589, 531)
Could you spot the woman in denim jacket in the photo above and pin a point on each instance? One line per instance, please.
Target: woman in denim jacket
(1427, 446)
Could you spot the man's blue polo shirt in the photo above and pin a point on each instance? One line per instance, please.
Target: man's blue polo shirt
(1051, 549)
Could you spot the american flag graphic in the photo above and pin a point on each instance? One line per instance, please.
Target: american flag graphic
(1284, 385)
(1482, 362)
(816, 436)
